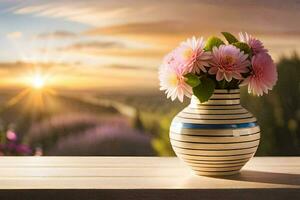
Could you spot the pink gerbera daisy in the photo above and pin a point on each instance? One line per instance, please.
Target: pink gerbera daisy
(228, 62)
(255, 44)
(263, 75)
(191, 54)
(172, 80)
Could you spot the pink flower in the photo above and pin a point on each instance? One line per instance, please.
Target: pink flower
(191, 54)
(172, 80)
(255, 44)
(11, 135)
(263, 75)
(228, 62)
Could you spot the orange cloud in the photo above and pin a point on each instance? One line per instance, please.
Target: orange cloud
(57, 35)
(111, 48)
(163, 24)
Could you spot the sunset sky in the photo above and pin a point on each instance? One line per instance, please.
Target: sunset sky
(119, 44)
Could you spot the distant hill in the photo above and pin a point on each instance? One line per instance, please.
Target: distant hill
(48, 120)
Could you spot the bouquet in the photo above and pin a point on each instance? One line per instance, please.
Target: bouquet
(198, 67)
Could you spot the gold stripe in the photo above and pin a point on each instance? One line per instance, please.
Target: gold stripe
(225, 96)
(210, 111)
(224, 121)
(217, 166)
(227, 91)
(237, 146)
(228, 107)
(221, 102)
(219, 132)
(201, 173)
(215, 154)
(203, 116)
(197, 157)
(188, 138)
(206, 169)
(205, 161)
(216, 162)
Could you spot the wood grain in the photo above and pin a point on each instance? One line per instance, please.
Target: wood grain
(131, 175)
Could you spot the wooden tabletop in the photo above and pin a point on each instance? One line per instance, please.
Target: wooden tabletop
(166, 177)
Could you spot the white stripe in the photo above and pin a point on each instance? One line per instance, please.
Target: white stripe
(210, 111)
(221, 102)
(225, 107)
(215, 173)
(224, 121)
(204, 160)
(218, 166)
(237, 146)
(223, 96)
(188, 138)
(218, 132)
(216, 169)
(227, 91)
(203, 116)
(248, 156)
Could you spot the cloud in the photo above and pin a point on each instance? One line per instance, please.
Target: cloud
(110, 48)
(130, 67)
(146, 53)
(163, 34)
(57, 35)
(87, 12)
(21, 66)
(14, 35)
(253, 15)
(173, 28)
(94, 45)
(136, 34)
(10, 68)
(158, 27)
(165, 22)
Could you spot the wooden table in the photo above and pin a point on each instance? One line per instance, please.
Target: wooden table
(142, 178)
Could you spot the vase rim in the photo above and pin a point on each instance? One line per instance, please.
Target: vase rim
(220, 97)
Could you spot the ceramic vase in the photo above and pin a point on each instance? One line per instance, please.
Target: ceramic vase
(217, 137)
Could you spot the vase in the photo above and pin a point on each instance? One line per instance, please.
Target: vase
(217, 137)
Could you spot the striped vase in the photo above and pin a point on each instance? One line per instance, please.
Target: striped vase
(217, 137)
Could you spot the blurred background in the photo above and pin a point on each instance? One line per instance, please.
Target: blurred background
(80, 77)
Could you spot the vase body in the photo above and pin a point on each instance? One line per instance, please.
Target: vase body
(217, 137)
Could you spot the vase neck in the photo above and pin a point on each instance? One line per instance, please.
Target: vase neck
(220, 97)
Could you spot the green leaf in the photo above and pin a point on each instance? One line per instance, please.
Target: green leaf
(205, 89)
(213, 42)
(192, 79)
(243, 47)
(229, 37)
(222, 84)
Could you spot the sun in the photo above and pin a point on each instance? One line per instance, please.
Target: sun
(38, 81)
(37, 92)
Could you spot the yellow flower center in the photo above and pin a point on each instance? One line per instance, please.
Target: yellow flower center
(229, 59)
(187, 53)
(173, 80)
